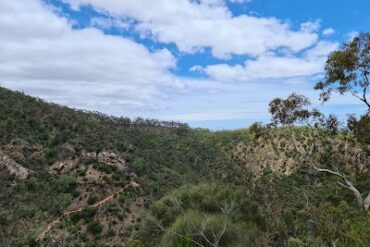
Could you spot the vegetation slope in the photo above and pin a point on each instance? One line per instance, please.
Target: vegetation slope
(66, 176)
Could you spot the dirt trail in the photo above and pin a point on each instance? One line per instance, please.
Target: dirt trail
(41, 236)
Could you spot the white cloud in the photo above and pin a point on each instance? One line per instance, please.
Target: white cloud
(194, 25)
(42, 54)
(310, 26)
(271, 66)
(328, 31)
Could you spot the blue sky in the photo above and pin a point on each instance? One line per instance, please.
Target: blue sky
(210, 63)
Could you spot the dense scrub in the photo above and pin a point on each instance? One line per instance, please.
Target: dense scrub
(206, 214)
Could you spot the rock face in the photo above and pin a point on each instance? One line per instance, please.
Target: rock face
(68, 165)
(21, 151)
(13, 167)
(111, 159)
(88, 156)
(62, 167)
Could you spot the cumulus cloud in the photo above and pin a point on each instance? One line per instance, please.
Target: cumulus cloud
(194, 25)
(42, 54)
(271, 66)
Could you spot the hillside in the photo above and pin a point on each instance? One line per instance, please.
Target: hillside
(77, 178)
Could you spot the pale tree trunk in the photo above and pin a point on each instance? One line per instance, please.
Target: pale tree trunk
(364, 203)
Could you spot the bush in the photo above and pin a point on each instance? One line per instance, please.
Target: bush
(208, 207)
(92, 199)
(135, 243)
(66, 184)
(86, 215)
(60, 202)
(103, 168)
(95, 227)
(32, 183)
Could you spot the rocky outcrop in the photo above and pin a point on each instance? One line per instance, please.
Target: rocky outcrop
(111, 159)
(108, 158)
(21, 151)
(13, 167)
(62, 167)
(68, 165)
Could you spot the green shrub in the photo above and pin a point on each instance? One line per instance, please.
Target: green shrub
(87, 215)
(32, 183)
(208, 207)
(135, 243)
(95, 227)
(66, 184)
(92, 199)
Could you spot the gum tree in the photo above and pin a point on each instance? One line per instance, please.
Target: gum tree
(296, 109)
(347, 70)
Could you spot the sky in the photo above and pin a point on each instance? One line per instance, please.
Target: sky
(211, 63)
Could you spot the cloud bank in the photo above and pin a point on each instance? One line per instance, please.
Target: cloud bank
(195, 25)
(41, 50)
(44, 54)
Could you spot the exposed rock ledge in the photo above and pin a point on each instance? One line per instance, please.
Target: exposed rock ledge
(108, 158)
(13, 167)
(111, 159)
(62, 167)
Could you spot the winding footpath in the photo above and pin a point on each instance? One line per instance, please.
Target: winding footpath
(54, 222)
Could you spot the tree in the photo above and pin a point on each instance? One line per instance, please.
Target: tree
(291, 110)
(295, 108)
(348, 70)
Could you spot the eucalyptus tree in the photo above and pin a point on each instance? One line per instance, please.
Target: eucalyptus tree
(347, 70)
(296, 109)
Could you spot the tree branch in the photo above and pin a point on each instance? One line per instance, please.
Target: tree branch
(221, 234)
(364, 204)
(365, 91)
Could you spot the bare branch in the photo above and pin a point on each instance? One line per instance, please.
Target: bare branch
(366, 203)
(221, 234)
(347, 184)
(327, 170)
(205, 238)
(364, 92)
(356, 192)
(343, 185)
(355, 95)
